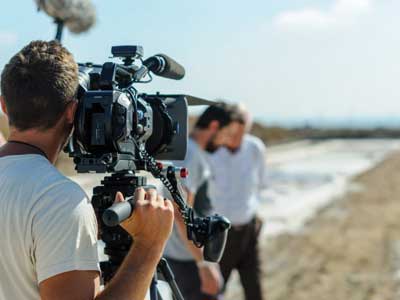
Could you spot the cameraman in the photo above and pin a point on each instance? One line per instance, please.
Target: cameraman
(49, 230)
(198, 279)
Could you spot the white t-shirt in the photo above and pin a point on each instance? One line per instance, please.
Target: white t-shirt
(238, 180)
(199, 172)
(48, 226)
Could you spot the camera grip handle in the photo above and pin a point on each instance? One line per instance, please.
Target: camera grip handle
(118, 212)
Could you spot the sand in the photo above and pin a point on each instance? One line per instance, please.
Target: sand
(349, 251)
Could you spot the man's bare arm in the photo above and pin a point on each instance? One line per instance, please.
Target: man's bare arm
(79, 285)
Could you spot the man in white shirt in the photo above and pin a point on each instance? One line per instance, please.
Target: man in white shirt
(238, 179)
(48, 226)
(198, 279)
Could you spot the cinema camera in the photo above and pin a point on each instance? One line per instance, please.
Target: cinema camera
(121, 131)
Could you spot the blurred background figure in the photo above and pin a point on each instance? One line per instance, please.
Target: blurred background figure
(239, 178)
(199, 279)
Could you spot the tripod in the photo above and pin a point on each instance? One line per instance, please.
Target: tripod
(118, 241)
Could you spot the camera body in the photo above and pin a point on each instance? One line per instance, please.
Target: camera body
(114, 122)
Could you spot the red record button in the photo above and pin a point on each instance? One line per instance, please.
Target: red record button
(184, 173)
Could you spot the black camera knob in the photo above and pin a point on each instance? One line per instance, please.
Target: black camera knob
(121, 110)
(121, 120)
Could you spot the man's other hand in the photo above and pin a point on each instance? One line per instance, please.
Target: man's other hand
(210, 277)
(151, 222)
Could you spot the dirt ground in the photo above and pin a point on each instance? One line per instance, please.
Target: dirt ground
(350, 251)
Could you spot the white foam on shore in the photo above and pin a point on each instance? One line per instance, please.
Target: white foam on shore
(307, 176)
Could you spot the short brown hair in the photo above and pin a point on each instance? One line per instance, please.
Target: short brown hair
(222, 112)
(37, 84)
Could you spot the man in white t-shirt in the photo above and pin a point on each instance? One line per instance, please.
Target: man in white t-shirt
(48, 227)
(239, 178)
(198, 279)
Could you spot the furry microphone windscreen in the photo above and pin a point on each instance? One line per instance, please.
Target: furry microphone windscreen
(78, 15)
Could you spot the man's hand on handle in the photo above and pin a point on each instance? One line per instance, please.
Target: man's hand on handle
(151, 222)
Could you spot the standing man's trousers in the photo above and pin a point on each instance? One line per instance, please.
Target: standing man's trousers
(241, 253)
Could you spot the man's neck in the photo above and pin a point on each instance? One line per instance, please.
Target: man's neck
(41, 140)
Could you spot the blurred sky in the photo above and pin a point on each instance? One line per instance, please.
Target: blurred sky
(286, 59)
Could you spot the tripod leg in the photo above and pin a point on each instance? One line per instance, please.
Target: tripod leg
(168, 275)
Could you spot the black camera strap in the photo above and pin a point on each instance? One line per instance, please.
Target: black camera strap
(18, 147)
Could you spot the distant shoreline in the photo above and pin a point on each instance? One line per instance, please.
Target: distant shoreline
(279, 135)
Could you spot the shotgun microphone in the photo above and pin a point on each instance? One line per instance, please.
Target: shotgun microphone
(164, 66)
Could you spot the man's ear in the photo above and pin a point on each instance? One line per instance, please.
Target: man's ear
(70, 111)
(3, 105)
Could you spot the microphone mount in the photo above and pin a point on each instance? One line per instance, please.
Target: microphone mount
(60, 28)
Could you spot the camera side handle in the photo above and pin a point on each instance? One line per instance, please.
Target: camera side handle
(214, 246)
(118, 212)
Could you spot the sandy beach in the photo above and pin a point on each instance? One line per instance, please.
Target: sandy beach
(350, 250)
